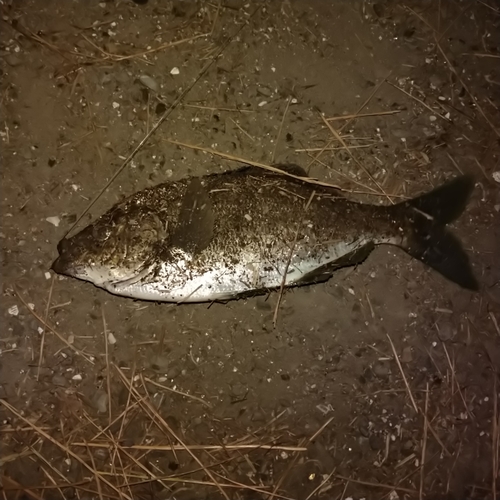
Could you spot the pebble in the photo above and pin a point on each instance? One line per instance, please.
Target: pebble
(55, 221)
(13, 311)
(381, 369)
(174, 372)
(174, 71)
(446, 332)
(59, 381)
(149, 83)
(364, 426)
(44, 371)
(435, 81)
(399, 133)
(406, 355)
(101, 454)
(100, 401)
(265, 91)
(13, 60)
(376, 442)
(408, 447)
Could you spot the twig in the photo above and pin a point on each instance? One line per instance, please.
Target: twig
(363, 115)
(320, 485)
(186, 395)
(213, 108)
(433, 111)
(339, 138)
(165, 115)
(476, 102)
(62, 447)
(349, 121)
(455, 164)
(376, 485)
(58, 335)
(8, 483)
(216, 17)
(493, 56)
(495, 322)
(424, 445)
(108, 369)
(238, 159)
(162, 423)
(494, 441)
(403, 375)
(280, 129)
(321, 429)
(42, 342)
(454, 378)
(194, 447)
(242, 130)
(124, 57)
(313, 150)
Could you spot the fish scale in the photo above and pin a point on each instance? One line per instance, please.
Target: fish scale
(237, 233)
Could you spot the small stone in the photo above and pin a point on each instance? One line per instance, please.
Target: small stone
(116, 105)
(148, 82)
(381, 369)
(376, 442)
(496, 176)
(101, 454)
(59, 381)
(174, 372)
(446, 332)
(100, 401)
(265, 91)
(435, 81)
(406, 355)
(13, 60)
(55, 220)
(160, 108)
(174, 71)
(364, 427)
(13, 311)
(111, 339)
(408, 447)
(77, 378)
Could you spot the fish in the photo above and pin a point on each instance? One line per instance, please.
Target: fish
(249, 231)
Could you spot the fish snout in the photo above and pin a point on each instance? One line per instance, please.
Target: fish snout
(61, 264)
(63, 246)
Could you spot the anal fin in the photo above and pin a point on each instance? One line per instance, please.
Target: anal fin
(324, 272)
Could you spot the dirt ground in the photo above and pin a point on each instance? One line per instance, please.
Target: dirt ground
(106, 397)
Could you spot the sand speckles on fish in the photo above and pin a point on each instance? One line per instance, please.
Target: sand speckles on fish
(227, 235)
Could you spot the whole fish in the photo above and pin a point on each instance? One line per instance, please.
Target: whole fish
(247, 231)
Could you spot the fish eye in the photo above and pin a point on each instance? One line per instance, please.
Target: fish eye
(63, 246)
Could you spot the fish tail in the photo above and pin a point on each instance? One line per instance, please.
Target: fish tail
(430, 242)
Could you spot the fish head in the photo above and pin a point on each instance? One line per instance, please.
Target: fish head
(112, 250)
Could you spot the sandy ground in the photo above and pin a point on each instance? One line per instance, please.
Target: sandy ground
(105, 397)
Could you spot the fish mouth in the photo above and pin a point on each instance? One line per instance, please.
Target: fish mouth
(61, 266)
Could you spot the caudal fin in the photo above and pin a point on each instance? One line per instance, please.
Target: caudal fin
(430, 241)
